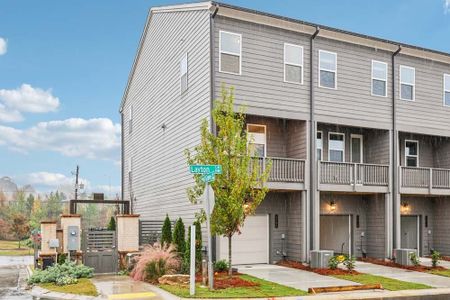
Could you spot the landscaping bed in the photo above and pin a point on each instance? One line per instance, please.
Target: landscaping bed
(387, 283)
(83, 287)
(326, 272)
(389, 263)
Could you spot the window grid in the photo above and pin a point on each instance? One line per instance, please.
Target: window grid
(292, 63)
(331, 70)
(414, 156)
(331, 148)
(238, 53)
(319, 145)
(412, 83)
(379, 78)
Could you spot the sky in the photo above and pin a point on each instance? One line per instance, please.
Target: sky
(64, 66)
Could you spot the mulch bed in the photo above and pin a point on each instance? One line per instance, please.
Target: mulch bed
(326, 272)
(223, 281)
(390, 263)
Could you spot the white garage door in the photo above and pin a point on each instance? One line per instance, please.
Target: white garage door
(252, 245)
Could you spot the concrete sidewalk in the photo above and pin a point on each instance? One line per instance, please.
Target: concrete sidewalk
(404, 275)
(295, 278)
(426, 261)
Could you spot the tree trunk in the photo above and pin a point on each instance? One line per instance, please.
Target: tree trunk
(19, 243)
(230, 268)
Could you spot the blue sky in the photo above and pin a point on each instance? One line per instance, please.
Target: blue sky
(64, 67)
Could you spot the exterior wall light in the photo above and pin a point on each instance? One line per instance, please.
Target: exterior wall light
(405, 208)
(332, 206)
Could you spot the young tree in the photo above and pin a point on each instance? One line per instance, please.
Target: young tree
(241, 187)
(112, 224)
(37, 214)
(166, 237)
(178, 238)
(19, 227)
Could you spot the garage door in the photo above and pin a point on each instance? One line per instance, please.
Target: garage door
(252, 245)
(335, 233)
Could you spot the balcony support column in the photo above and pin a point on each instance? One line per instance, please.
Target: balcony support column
(388, 224)
(305, 235)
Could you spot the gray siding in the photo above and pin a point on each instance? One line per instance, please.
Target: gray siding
(261, 87)
(297, 143)
(376, 231)
(294, 217)
(159, 172)
(441, 237)
(442, 153)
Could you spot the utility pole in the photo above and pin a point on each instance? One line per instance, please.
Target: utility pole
(77, 172)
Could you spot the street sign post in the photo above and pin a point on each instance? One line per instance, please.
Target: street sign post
(192, 271)
(208, 172)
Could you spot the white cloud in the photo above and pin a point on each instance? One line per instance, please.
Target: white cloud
(89, 138)
(29, 99)
(48, 181)
(446, 6)
(3, 46)
(8, 115)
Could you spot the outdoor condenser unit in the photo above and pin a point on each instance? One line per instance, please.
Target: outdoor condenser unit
(402, 256)
(320, 258)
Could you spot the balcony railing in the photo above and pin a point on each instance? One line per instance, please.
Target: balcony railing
(425, 178)
(341, 173)
(283, 169)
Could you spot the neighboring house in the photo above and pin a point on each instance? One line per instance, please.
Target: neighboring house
(357, 128)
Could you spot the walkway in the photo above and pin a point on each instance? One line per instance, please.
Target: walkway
(295, 278)
(427, 262)
(405, 275)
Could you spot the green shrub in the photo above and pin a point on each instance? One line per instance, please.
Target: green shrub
(166, 237)
(58, 273)
(155, 269)
(414, 259)
(333, 263)
(221, 265)
(65, 280)
(178, 238)
(349, 262)
(435, 257)
(111, 224)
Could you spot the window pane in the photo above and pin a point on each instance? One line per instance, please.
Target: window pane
(447, 98)
(184, 83)
(447, 82)
(183, 65)
(406, 92)
(229, 63)
(257, 150)
(230, 43)
(407, 75)
(411, 148)
(327, 79)
(319, 154)
(293, 73)
(319, 140)
(336, 137)
(379, 70)
(336, 155)
(411, 161)
(327, 61)
(378, 87)
(293, 54)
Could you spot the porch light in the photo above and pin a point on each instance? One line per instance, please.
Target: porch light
(332, 206)
(405, 208)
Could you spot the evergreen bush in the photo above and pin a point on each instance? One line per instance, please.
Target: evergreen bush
(112, 224)
(178, 238)
(166, 237)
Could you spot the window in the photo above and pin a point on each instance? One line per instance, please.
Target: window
(130, 119)
(379, 78)
(293, 63)
(130, 167)
(230, 48)
(407, 82)
(327, 69)
(257, 139)
(319, 145)
(184, 73)
(336, 147)
(447, 89)
(412, 153)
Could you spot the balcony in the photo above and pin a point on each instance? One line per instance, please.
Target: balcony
(429, 181)
(285, 174)
(353, 177)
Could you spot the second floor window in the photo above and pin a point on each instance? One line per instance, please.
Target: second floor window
(336, 146)
(327, 69)
(230, 48)
(293, 63)
(407, 83)
(447, 89)
(412, 153)
(379, 78)
(319, 145)
(256, 135)
(130, 119)
(184, 73)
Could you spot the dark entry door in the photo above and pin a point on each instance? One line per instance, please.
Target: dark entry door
(100, 251)
(410, 232)
(335, 233)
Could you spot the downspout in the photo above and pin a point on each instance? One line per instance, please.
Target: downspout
(395, 183)
(314, 207)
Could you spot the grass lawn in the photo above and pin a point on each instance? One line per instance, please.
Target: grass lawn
(11, 248)
(263, 290)
(387, 283)
(445, 273)
(83, 287)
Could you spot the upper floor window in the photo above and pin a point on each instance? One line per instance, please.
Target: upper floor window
(407, 83)
(256, 135)
(130, 119)
(327, 69)
(447, 89)
(293, 63)
(379, 78)
(130, 167)
(336, 146)
(230, 48)
(319, 145)
(184, 73)
(412, 153)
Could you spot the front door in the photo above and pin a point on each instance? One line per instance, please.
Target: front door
(410, 232)
(336, 233)
(356, 144)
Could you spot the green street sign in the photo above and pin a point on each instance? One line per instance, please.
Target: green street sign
(205, 169)
(208, 178)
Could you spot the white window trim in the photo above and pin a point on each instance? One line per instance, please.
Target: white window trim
(446, 76)
(401, 82)
(328, 70)
(265, 135)
(230, 53)
(361, 143)
(292, 64)
(321, 147)
(385, 80)
(185, 56)
(417, 155)
(329, 148)
(130, 119)
(130, 165)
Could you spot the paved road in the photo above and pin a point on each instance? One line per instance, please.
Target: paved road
(12, 277)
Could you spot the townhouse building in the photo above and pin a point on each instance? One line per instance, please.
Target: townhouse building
(357, 129)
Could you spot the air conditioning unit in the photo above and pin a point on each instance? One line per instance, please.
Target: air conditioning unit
(320, 258)
(402, 256)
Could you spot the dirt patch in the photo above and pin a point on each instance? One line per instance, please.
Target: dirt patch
(390, 263)
(326, 272)
(223, 281)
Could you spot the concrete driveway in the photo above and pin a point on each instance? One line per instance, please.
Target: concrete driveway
(292, 277)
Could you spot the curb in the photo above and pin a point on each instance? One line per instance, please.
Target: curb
(39, 292)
